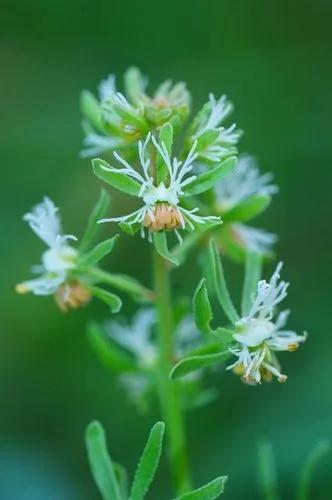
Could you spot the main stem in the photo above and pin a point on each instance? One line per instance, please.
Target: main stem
(169, 390)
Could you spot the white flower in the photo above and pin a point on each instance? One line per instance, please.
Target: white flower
(58, 259)
(161, 203)
(136, 337)
(256, 240)
(244, 181)
(225, 138)
(258, 336)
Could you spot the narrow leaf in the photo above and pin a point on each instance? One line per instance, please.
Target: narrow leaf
(210, 491)
(248, 209)
(109, 298)
(97, 213)
(108, 352)
(118, 180)
(160, 243)
(207, 180)
(220, 284)
(100, 462)
(253, 269)
(202, 310)
(98, 252)
(307, 472)
(122, 479)
(267, 471)
(194, 363)
(148, 463)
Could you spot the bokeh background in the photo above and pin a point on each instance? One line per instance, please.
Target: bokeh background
(273, 59)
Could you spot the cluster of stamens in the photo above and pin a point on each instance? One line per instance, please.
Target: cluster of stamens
(163, 216)
(72, 295)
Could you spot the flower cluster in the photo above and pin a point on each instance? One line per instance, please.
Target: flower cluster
(70, 274)
(258, 336)
(214, 141)
(163, 201)
(117, 121)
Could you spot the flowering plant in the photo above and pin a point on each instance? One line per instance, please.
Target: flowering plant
(192, 192)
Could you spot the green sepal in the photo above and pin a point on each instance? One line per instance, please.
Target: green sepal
(91, 109)
(118, 180)
(158, 116)
(220, 284)
(100, 462)
(191, 364)
(207, 180)
(160, 244)
(248, 209)
(97, 213)
(166, 138)
(209, 491)
(98, 252)
(134, 84)
(148, 463)
(109, 354)
(110, 299)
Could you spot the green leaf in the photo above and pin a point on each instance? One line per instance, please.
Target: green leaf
(165, 137)
(109, 298)
(148, 463)
(207, 180)
(97, 213)
(118, 180)
(122, 479)
(267, 471)
(98, 252)
(220, 284)
(91, 109)
(253, 269)
(160, 243)
(108, 352)
(202, 310)
(134, 84)
(100, 462)
(207, 138)
(210, 491)
(248, 209)
(193, 363)
(317, 453)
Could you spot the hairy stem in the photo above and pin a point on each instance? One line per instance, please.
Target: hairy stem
(169, 390)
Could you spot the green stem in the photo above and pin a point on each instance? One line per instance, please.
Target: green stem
(122, 282)
(169, 390)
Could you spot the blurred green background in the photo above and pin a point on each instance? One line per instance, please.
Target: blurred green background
(273, 59)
